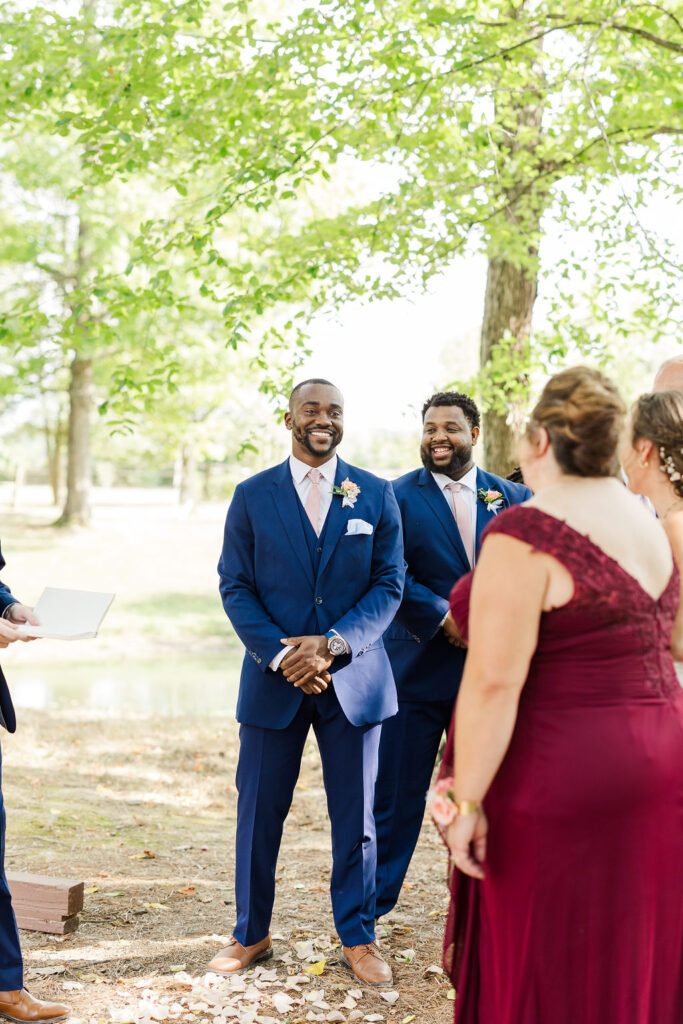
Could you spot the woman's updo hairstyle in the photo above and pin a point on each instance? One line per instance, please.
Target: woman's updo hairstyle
(583, 413)
(658, 418)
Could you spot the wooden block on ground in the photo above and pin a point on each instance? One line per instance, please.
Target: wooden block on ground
(55, 897)
(47, 913)
(37, 924)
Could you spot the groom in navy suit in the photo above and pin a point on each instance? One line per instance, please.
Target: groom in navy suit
(444, 507)
(311, 575)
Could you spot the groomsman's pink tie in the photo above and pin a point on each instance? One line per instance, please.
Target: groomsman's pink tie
(463, 519)
(313, 499)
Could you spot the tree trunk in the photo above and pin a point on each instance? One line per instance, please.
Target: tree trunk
(19, 481)
(511, 283)
(508, 307)
(79, 471)
(54, 444)
(188, 490)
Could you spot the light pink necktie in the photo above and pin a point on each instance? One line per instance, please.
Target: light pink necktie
(312, 505)
(463, 519)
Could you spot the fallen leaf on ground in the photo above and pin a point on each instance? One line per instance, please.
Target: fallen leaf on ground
(316, 968)
(90, 890)
(433, 969)
(282, 1002)
(186, 890)
(154, 906)
(389, 997)
(409, 1019)
(404, 956)
(450, 994)
(177, 967)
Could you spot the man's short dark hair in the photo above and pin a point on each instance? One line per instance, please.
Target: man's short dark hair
(463, 402)
(311, 380)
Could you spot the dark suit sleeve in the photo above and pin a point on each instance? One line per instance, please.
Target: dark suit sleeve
(365, 623)
(421, 611)
(6, 597)
(252, 623)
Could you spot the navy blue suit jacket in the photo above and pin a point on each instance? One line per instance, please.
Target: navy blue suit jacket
(269, 591)
(426, 667)
(7, 717)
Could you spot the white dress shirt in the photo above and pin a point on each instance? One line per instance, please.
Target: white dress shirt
(302, 486)
(469, 495)
(468, 492)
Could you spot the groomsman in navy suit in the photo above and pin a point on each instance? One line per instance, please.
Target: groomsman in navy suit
(15, 1002)
(444, 507)
(311, 575)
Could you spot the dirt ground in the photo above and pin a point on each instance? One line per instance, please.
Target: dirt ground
(143, 810)
(141, 806)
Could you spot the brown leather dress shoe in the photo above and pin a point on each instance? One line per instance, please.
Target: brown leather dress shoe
(236, 957)
(368, 964)
(21, 1007)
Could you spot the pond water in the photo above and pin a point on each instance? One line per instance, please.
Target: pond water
(172, 686)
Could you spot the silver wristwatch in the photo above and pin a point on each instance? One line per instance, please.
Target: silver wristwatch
(335, 644)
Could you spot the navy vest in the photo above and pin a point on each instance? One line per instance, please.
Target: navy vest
(315, 544)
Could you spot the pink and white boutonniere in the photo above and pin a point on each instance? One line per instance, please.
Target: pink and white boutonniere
(348, 491)
(492, 499)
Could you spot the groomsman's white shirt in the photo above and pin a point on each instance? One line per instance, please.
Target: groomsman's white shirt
(302, 486)
(468, 492)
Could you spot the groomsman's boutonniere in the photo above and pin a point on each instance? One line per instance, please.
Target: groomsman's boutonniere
(348, 492)
(492, 499)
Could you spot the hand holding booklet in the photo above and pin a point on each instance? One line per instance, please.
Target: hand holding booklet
(68, 614)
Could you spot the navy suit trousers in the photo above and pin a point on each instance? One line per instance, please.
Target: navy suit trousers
(11, 967)
(267, 771)
(407, 753)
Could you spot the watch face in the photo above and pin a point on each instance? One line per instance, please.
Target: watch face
(336, 645)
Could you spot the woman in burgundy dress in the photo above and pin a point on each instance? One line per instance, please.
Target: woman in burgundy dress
(652, 458)
(567, 901)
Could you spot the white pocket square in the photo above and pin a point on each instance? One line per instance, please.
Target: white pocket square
(357, 526)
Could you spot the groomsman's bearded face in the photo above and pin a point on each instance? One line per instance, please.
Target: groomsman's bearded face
(447, 440)
(316, 419)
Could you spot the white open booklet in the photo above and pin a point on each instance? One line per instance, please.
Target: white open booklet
(68, 614)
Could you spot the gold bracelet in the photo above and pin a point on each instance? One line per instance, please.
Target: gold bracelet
(468, 806)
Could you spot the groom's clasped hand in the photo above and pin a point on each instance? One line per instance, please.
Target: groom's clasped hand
(307, 664)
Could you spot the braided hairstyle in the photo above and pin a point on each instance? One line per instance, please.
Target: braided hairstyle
(583, 413)
(658, 418)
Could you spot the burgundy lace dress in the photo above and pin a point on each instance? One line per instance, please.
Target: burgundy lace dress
(580, 917)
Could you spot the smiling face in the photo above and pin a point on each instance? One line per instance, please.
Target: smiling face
(316, 419)
(447, 441)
